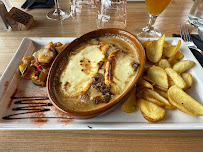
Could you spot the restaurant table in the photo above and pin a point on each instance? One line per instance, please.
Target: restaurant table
(95, 140)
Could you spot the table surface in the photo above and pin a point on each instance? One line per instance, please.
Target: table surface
(168, 22)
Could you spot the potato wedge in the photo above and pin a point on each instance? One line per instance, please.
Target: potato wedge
(183, 66)
(184, 102)
(147, 66)
(158, 76)
(177, 79)
(151, 111)
(170, 50)
(139, 92)
(172, 60)
(167, 44)
(165, 95)
(187, 77)
(154, 49)
(146, 43)
(130, 103)
(147, 96)
(159, 97)
(161, 88)
(163, 63)
(179, 55)
(171, 82)
(162, 93)
(145, 84)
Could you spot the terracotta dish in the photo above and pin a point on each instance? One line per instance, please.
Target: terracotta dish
(115, 55)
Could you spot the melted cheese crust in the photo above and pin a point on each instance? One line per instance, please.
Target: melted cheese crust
(76, 77)
(119, 68)
(73, 78)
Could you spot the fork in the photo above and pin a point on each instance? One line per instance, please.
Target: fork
(185, 35)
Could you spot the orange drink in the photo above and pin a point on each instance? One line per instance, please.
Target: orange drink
(156, 7)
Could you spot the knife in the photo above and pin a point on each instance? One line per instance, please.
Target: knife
(27, 4)
(200, 32)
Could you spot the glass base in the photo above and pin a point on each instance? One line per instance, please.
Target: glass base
(147, 33)
(195, 21)
(58, 15)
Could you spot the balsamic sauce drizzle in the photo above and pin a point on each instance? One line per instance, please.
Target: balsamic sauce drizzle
(33, 107)
(34, 97)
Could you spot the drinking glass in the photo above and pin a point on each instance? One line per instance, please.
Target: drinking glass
(83, 8)
(112, 14)
(195, 16)
(154, 8)
(84, 13)
(57, 14)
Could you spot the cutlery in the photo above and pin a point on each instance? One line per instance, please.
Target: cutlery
(185, 35)
(200, 32)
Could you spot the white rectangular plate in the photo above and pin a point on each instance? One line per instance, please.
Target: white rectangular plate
(115, 120)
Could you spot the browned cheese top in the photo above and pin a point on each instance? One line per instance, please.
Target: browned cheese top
(96, 73)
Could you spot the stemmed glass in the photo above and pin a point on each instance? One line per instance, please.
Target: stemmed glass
(57, 14)
(154, 8)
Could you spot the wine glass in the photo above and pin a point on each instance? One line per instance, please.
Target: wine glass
(57, 14)
(154, 8)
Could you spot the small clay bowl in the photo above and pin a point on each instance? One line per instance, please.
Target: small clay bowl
(92, 35)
